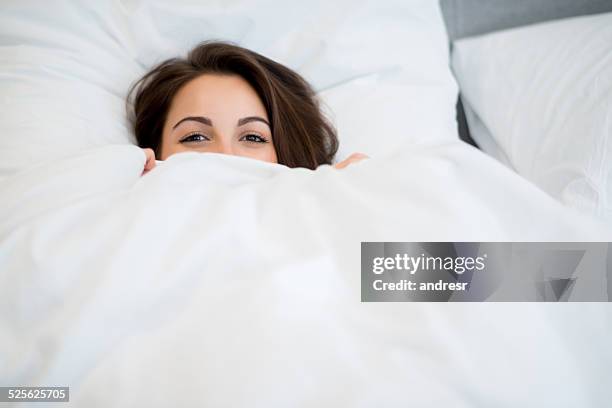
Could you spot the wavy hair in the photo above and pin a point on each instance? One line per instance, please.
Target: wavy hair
(302, 135)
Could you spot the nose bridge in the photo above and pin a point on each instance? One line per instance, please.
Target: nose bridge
(224, 143)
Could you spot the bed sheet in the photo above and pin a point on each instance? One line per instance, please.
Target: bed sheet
(223, 281)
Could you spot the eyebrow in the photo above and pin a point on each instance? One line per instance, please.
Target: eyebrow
(207, 121)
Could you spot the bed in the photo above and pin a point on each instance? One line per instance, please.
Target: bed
(221, 281)
(545, 114)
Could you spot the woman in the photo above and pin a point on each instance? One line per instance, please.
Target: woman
(227, 99)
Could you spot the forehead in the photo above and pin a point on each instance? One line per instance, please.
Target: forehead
(217, 95)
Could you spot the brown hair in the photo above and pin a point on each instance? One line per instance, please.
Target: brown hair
(302, 136)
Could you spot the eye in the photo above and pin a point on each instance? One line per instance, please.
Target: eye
(252, 137)
(194, 138)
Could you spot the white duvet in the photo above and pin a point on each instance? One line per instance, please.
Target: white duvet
(223, 281)
(219, 281)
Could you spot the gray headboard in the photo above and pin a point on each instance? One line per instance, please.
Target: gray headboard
(466, 18)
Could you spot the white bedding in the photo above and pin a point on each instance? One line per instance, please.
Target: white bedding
(539, 98)
(223, 281)
(380, 67)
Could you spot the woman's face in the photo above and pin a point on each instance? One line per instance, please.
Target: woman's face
(220, 114)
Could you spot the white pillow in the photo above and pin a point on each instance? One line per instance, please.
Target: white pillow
(544, 93)
(65, 68)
